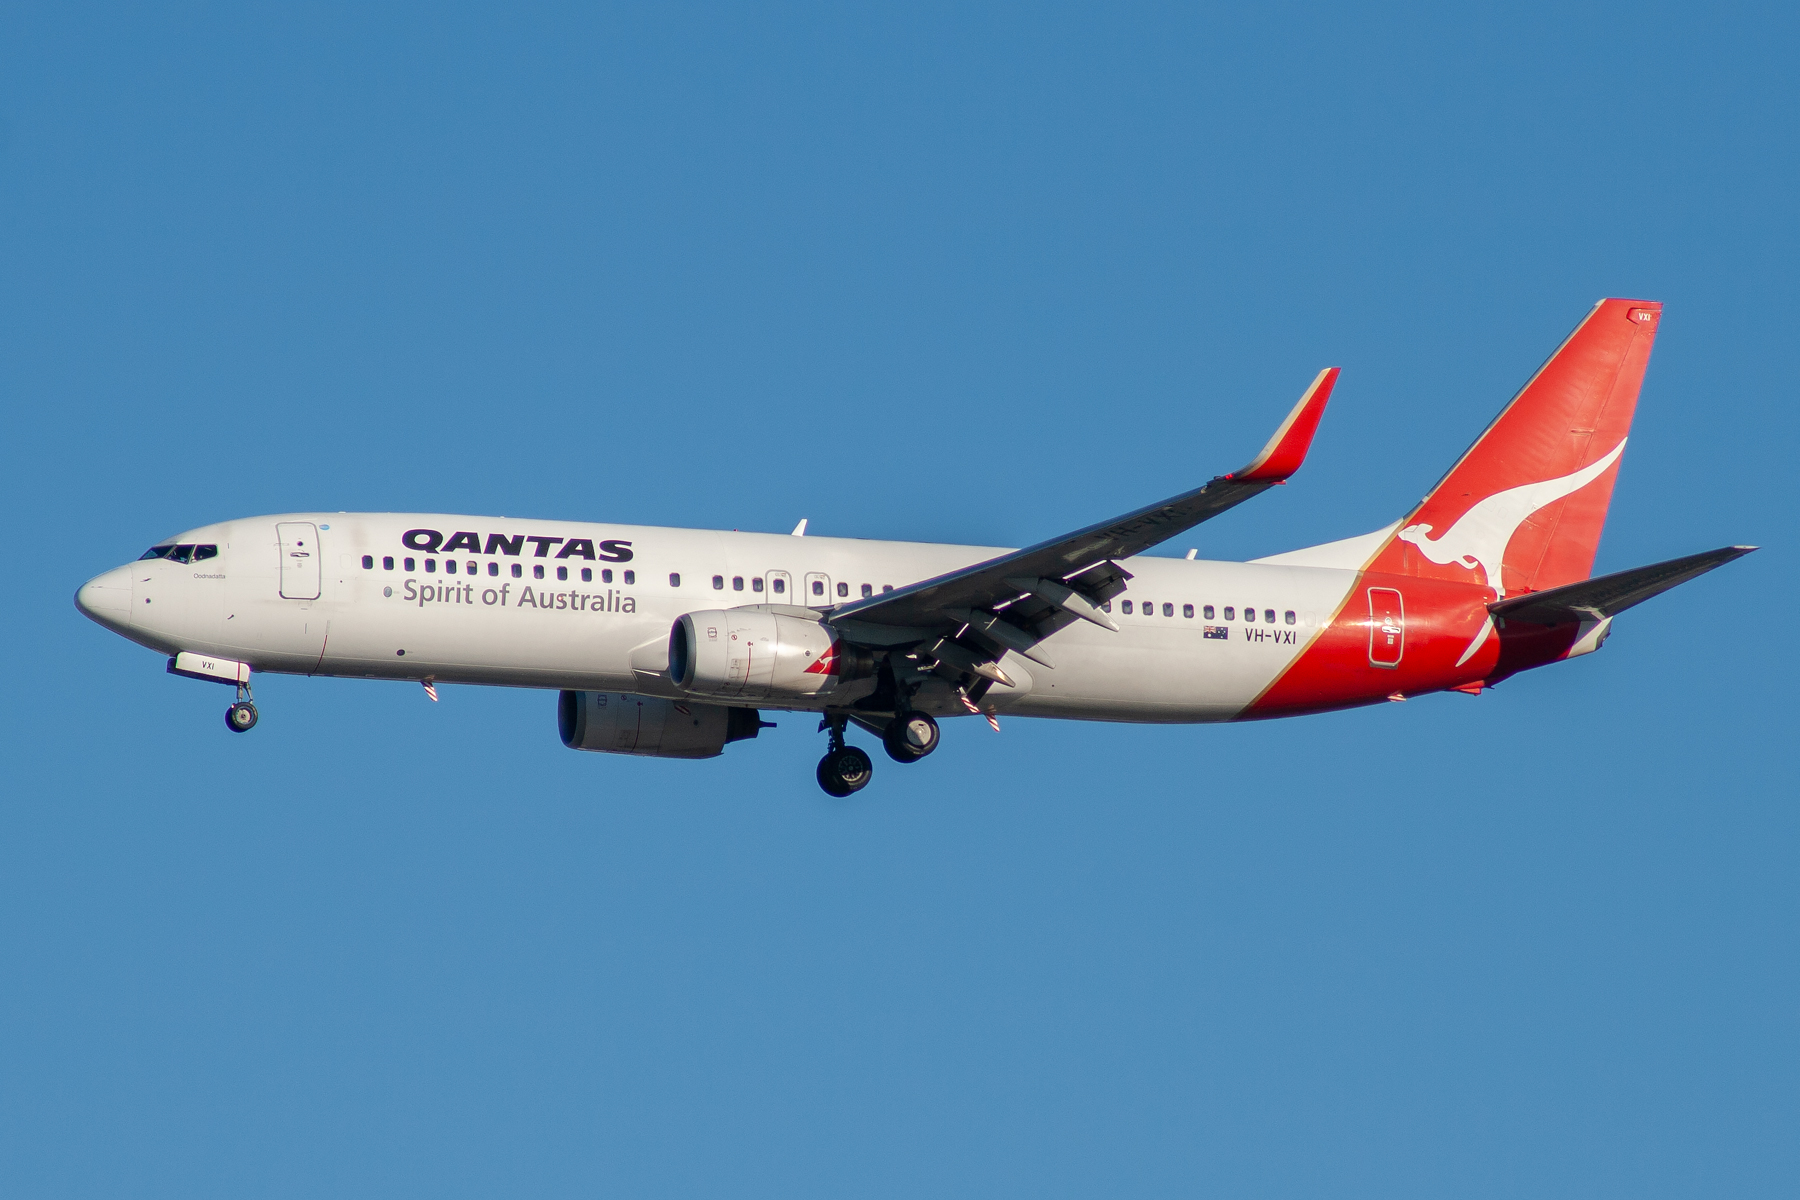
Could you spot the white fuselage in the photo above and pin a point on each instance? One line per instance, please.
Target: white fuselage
(490, 616)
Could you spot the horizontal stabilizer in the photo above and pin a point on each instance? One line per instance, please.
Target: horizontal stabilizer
(1609, 595)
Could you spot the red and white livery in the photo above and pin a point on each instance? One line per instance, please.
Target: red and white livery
(672, 642)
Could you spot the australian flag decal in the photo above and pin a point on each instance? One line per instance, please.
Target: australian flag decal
(1218, 632)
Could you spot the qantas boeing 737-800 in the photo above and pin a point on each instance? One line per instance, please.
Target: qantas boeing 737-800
(669, 642)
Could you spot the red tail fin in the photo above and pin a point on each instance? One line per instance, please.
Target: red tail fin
(1523, 509)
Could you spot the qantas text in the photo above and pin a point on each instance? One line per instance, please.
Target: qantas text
(430, 541)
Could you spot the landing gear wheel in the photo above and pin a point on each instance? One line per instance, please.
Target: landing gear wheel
(832, 785)
(241, 717)
(844, 771)
(910, 736)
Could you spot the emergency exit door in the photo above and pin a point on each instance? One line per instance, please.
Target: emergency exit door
(300, 559)
(1387, 627)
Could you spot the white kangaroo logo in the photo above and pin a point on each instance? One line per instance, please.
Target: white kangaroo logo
(1480, 536)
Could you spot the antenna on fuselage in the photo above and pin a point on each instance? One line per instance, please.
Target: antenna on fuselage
(800, 529)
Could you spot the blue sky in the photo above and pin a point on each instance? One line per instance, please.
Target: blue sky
(953, 273)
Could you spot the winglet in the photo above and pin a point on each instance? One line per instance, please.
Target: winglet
(1287, 449)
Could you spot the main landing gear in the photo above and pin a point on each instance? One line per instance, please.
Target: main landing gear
(910, 736)
(846, 769)
(241, 716)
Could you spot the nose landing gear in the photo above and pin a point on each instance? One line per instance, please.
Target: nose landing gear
(845, 769)
(241, 716)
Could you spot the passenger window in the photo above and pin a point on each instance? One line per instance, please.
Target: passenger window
(674, 578)
(587, 574)
(867, 591)
(537, 571)
(518, 571)
(431, 566)
(887, 587)
(474, 568)
(409, 565)
(756, 584)
(368, 562)
(1207, 612)
(1230, 613)
(1169, 610)
(562, 573)
(387, 562)
(718, 583)
(204, 552)
(605, 574)
(1125, 606)
(494, 569)
(631, 577)
(1187, 610)
(1106, 607)
(737, 583)
(818, 587)
(1288, 616)
(449, 566)
(778, 586)
(1269, 616)
(843, 590)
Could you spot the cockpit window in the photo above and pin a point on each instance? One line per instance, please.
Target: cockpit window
(181, 554)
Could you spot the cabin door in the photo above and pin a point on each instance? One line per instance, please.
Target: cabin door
(1387, 627)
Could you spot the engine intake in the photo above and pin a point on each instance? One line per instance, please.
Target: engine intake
(613, 723)
(756, 654)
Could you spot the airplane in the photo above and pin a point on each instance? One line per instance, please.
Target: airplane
(672, 642)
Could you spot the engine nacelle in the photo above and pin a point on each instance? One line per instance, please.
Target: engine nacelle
(623, 724)
(755, 654)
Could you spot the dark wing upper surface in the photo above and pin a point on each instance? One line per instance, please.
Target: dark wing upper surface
(934, 601)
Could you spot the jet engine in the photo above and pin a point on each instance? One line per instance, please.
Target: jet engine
(623, 724)
(756, 654)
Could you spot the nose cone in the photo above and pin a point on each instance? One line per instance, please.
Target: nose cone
(107, 598)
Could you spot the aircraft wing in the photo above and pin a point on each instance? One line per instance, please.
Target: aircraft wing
(1610, 595)
(1045, 587)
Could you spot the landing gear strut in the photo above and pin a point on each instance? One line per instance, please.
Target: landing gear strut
(241, 716)
(910, 736)
(845, 769)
